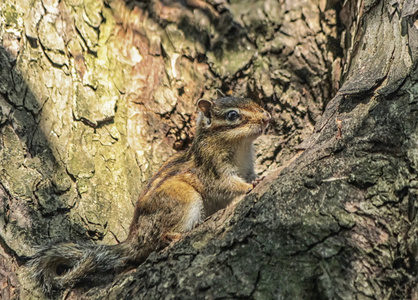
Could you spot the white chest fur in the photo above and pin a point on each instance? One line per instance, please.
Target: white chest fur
(244, 161)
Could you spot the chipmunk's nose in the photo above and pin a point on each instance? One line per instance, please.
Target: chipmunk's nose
(267, 118)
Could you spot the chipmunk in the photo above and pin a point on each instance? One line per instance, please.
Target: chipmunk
(190, 186)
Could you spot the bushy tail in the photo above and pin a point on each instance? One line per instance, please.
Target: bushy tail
(65, 265)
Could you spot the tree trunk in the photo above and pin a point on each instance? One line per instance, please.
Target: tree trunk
(94, 95)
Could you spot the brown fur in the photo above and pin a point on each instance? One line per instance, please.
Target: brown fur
(190, 186)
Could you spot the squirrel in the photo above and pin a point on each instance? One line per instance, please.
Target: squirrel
(192, 185)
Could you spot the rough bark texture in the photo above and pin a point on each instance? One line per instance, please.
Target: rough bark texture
(94, 95)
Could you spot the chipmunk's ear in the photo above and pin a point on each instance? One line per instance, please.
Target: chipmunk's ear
(205, 107)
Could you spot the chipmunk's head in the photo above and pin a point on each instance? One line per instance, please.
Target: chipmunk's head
(232, 119)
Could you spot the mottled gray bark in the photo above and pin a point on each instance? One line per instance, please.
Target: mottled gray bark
(340, 221)
(94, 95)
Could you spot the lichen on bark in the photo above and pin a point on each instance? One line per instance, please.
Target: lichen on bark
(94, 95)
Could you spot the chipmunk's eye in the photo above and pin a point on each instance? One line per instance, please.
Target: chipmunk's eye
(232, 115)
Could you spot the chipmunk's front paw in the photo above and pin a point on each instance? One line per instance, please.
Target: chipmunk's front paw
(257, 181)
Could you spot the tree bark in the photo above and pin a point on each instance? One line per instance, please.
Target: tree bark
(94, 95)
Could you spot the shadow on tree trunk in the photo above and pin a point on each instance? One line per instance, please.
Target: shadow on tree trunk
(94, 97)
